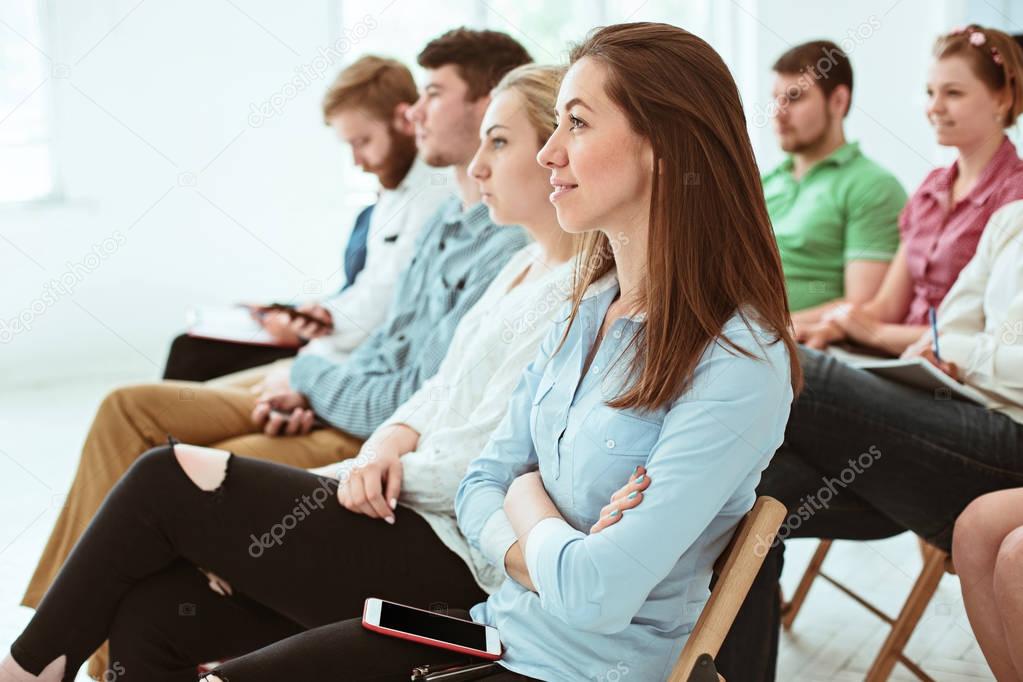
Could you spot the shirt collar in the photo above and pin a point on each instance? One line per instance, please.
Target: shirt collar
(602, 292)
(841, 156)
(988, 180)
(940, 186)
(474, 218)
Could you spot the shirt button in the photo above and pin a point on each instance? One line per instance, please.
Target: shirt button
(610, 443)
(596, 369)
(618, 334)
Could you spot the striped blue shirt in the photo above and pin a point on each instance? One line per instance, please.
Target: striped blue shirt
(619, 604)
(454, 260)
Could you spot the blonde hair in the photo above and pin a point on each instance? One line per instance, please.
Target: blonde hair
(538, 84)
(374, 84)
(994, 57)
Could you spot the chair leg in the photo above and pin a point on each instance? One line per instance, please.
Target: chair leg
(790, 609)
(923, 589)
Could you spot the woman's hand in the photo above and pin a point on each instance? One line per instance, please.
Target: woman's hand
(949, 368)
(372, 488)
(820, 335)
(217, 584)
(857, 324)
(924, 348)
(627, 497)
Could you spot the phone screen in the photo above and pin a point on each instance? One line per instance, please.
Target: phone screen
(425, 624)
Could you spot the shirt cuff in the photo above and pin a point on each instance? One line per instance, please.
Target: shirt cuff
(546, 540)
(496, 538)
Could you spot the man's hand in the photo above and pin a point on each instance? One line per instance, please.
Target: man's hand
(626, 497)
(278, 324)
(372, 488)
(277, 381)
(283, 414)
(307, 329)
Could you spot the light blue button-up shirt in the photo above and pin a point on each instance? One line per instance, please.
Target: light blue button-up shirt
(619, 604)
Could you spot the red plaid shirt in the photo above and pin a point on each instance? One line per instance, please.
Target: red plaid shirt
(939, 240)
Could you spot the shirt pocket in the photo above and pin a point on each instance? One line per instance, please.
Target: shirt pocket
(621, 434)
(612, 445)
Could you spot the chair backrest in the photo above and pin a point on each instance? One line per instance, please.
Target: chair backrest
(736, 569)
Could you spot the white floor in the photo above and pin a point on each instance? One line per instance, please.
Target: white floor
(833, 639)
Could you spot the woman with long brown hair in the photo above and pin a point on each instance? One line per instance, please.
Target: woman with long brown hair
(673, 354)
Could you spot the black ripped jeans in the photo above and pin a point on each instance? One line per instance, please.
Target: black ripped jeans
(300, 566)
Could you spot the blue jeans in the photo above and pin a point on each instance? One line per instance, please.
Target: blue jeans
(866, 458)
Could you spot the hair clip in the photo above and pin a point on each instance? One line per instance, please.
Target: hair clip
(977, 39)
(957, 30)
(996, 56)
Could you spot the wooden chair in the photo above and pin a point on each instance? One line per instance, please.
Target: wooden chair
(736, 569)
(936, 563)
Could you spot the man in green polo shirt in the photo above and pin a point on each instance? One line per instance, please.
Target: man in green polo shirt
(835, 212)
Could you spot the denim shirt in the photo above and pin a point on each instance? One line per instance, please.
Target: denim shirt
(456, 257)
(620, 603)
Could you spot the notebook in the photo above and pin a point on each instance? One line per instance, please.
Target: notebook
(915, 372)
(230, 323)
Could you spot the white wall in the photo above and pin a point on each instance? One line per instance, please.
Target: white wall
(157, 152)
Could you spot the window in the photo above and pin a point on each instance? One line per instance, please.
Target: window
(26, 166)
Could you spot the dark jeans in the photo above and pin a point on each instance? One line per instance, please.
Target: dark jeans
(194, 359)
(299, 564)
(865, 458)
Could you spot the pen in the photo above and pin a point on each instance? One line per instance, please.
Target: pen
(934, 333)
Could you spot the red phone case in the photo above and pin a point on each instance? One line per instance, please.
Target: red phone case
(426, 640)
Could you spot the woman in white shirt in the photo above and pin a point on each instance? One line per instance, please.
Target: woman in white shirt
(982, 330)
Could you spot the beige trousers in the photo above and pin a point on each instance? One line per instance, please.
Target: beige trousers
(135, 418)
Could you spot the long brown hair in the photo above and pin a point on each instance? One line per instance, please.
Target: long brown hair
(711, 251)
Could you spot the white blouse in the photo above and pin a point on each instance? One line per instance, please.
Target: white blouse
(980, 322)
(457, 409)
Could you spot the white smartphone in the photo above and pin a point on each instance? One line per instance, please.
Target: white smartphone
(433, 629)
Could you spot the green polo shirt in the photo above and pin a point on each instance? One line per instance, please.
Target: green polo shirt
(845, 208)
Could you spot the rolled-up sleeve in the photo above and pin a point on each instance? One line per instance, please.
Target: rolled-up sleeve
(715, 441)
